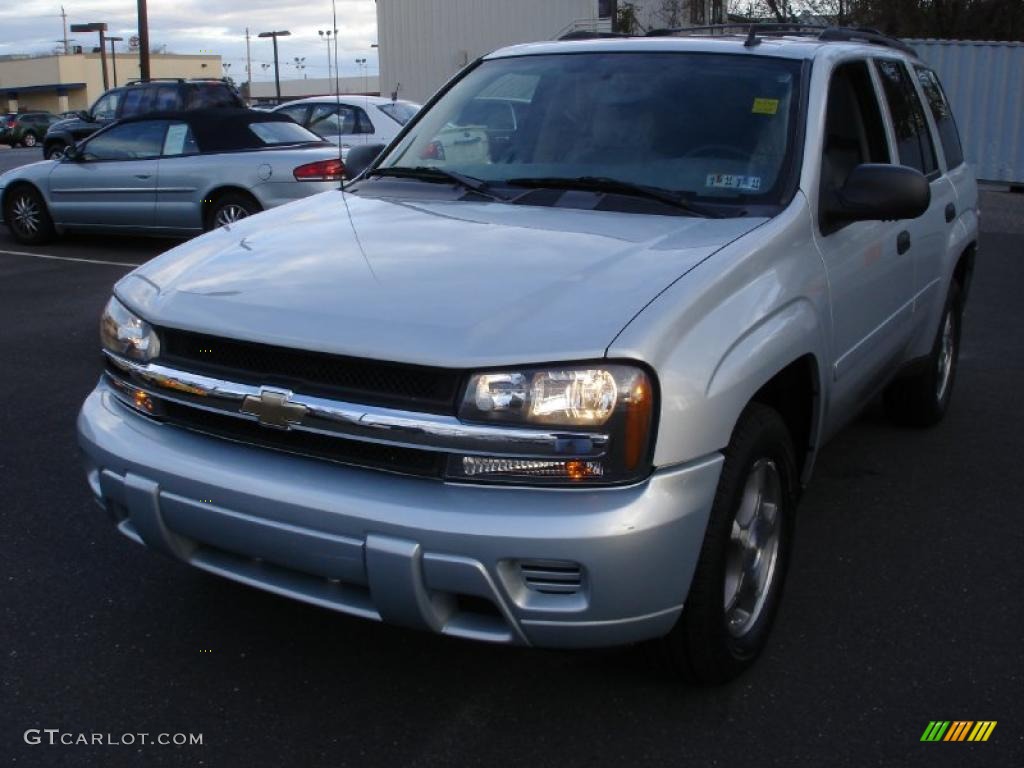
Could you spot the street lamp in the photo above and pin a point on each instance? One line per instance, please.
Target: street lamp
(101, 27)
(277, 72)
(362, 63)
(113, 55)
(326, 36)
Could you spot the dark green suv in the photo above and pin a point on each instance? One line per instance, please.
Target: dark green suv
(137, 98)
(25, 129)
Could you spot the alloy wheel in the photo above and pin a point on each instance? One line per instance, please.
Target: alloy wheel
(229, 214)
(26, 215)
(947, 351)
(29, 140)
(750, 567)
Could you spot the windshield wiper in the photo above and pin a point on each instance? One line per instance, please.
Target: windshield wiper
(618, 187)
(438, 175)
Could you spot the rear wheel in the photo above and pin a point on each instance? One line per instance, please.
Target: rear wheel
(27, 216)
(230, 207)
(922, 399)
(737, 585)
(29, 140)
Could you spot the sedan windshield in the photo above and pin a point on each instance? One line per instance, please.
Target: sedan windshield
(707, 126)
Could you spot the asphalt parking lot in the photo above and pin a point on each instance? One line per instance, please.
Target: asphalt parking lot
(902, 604)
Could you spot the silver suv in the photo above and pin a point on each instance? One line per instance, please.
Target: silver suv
(554, 369)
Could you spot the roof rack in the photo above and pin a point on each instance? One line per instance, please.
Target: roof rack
(178, 80)
(584, 34)
(755, 31)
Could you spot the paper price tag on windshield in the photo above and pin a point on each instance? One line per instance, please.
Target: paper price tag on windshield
(732, 181)
(765, 106)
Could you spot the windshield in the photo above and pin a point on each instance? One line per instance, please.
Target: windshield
(707, 126)
(284, 132)
(399, 111)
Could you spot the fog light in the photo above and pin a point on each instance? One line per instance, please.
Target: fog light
(484, 467)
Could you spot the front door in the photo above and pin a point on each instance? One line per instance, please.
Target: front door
(870, 272)
(111, 181)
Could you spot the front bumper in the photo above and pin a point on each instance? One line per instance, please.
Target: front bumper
(546, 567)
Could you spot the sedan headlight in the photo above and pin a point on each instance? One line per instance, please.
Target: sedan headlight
(126, 335)
(612, 400)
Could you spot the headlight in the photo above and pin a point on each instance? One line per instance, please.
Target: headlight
(124, 334)
(611, 399)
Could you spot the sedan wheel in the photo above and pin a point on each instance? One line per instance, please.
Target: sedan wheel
(229, 214)
(229, 208)
(26, 215)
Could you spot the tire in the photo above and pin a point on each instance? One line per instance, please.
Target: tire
(718, 637)
(922, 399)
(229, 208)
(27, 216)
(54, 150)
(29, 140)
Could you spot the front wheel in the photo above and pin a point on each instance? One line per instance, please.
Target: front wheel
(27, 216)
(29, 140)
(229, 208)
(737, 585)
(54, 150)
(922, 399)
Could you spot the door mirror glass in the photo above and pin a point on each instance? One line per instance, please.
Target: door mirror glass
(84, 114)
(877, 192)
(360, 157)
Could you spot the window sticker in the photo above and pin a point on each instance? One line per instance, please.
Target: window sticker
(732, 181)
(174, 144)
(765, 106)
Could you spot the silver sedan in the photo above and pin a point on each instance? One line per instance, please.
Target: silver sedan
(169, 174)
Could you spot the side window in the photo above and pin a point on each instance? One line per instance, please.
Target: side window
(363, 124)
(136, 101)
(913, 138)
(854, 132)
(179, 141)
(106, 107)
(948, 134)
(166, 99)
(130, 141)
(296, 113)
(332, 120)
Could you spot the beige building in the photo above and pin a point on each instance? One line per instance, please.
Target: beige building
(63, 83)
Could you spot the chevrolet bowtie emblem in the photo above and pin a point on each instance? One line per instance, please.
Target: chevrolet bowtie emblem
(274, 408)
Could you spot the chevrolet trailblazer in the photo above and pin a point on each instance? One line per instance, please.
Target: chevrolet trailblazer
(556, 378)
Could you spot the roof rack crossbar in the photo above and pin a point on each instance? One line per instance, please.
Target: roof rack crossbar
(777, 29)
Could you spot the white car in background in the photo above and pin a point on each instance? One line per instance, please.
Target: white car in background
(351, 120)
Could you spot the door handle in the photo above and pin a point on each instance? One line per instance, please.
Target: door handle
(903, 242)
(143, 175)
(950, 211)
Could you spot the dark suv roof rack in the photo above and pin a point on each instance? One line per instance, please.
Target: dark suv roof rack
(756, 30)
(178, 80)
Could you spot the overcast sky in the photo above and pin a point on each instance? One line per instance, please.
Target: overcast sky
(194, 26)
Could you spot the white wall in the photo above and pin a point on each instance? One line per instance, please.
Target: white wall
(424, 42)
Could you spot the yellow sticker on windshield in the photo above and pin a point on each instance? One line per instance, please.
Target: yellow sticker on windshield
(765, 106)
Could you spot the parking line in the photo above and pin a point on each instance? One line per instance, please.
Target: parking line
(70, 258)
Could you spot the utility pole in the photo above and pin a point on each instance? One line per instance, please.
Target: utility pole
(143, 41)
(113, 55)
(277, 69)
(64, 16)
(248, 66)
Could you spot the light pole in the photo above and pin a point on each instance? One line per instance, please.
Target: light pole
(326, 37)
(113, 55)
(300, 64)
(101, 27)
(277, 71)
(362, 63)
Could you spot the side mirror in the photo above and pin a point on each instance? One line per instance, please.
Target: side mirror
(359, 159)
(879, 192)
(84, 114)
(72, 154)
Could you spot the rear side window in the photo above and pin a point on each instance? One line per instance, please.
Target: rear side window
(913, 139)
(948, 134)
(399, 111)
(282, 133)
(203, 95)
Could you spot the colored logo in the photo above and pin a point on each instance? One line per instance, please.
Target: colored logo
(958, 730)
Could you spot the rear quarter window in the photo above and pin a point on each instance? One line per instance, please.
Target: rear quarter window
(271, 133)
(913, 137)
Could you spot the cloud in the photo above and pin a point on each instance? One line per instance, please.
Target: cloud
(193, 26)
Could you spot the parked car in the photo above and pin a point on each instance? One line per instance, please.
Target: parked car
(137, 98)
(169, 174)
(25, 129)
(351, 120)
(567, 389)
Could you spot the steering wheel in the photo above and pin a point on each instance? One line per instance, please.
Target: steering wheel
(719, 150)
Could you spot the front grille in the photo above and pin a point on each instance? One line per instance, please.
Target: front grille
(408, 461)
(355, 380)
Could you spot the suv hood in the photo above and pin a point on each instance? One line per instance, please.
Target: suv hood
(455, 284)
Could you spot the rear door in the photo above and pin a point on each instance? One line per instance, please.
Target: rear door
(112, 183)
(870, 280)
